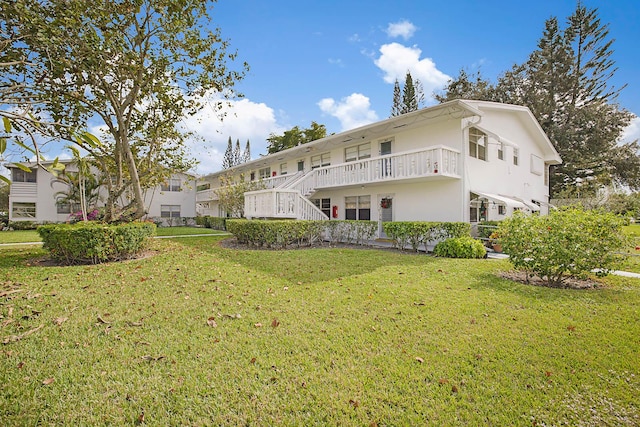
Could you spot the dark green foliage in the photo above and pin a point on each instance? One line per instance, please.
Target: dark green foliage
(569, 242)
(296, 136)
(94, 243)
(417, 233)
(411, 99)
(23, 225)
(214, 222)
(460, 247)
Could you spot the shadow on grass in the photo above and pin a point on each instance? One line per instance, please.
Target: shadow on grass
(310, 265)
(19, 257)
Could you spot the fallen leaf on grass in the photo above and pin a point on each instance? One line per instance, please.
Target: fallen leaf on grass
(258, 325)
(101, 320)
(253, 360)
(454, 389)
(275, 323)
(571, 328)
(152, 358)
(48, 381)
(134, 323)
(60, 320)
(13, 291)
(211, 321)
(354, 403)
(443, 381)
(420, 359)
(140, 419)
(20, 365)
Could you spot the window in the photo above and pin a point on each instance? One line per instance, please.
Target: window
(320, 160)
(264, 173)
(477, 144)
(63, 208)
(324, 205)
(358, 207)
(253, 176)
(170, 211)
(501, 151)
(23, 210)
(283, 168)
(516, 152)
(172, 184)
(357, 152)
(18, 175)
(300, 165)
(502, 210)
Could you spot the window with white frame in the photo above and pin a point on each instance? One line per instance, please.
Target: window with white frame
(357, 152)
(283, 168)
(264, 173)
(320, 160)
(358, 208)
(170, 211)
(516, 153)
(300, 165)
(19, 175)
(172, 184)
(324, 205)
(23, 210)
(501, 151)
(477, 144)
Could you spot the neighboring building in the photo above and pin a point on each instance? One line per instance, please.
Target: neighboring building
(35, 196)
(457, 161)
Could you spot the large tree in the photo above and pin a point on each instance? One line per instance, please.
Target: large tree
(137, 67)
(566, 84)
(411, 98)
(295, 136)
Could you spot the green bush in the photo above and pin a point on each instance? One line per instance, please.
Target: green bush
(93, 243)
(460, 247)
(283, 233)
(417, 233)
(569, 242)
(23, 225)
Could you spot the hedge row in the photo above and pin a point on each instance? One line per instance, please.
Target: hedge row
(420, 233)
(94, 243)
(283, 233)
(217, 223)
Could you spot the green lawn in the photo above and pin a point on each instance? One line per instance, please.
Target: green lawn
(202, 335)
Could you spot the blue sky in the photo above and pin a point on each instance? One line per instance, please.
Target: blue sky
(334, 62)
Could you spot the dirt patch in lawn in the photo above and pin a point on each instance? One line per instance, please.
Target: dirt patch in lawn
(568, 283)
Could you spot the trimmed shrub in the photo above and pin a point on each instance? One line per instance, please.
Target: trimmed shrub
(420, 233)
(460, 247)
(94, 243)
(23, 225)
(569, 242)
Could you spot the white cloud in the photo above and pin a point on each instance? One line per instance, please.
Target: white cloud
(396, 59)
(244, 120)
(632, 132)
(352, 111)
(404, 29)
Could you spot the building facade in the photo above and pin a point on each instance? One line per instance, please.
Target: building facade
(457, 161)
(39, 196)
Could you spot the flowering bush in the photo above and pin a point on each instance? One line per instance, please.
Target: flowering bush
(569, 242)
(94, 215)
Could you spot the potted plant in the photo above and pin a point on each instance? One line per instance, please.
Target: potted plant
(494, 239)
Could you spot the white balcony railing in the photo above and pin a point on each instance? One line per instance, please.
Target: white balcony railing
(281, 203)
(206, 196)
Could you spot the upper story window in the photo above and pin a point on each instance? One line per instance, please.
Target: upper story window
(357, 152)
(501, 151)
(264, 173)
(283, 168)
(320, 160)
(477, 144)
(18, 175)
(300, 165)
(516, 154)
(172, 184)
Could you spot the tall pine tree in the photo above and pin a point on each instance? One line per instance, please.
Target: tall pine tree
(237, 154)
(246, 155)
(396, 107)
(228, 160)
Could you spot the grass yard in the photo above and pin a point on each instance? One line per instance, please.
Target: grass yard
(202, 335)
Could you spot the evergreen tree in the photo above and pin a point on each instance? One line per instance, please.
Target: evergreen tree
(397, 100)
(409, 98)
(246, 155)
(228, 160)
(237, 154)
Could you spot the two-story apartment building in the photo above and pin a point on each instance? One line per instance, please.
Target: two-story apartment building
(458, 161)
(37, 195)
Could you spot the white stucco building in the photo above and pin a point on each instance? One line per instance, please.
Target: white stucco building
(458, 161)
(35, 196)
